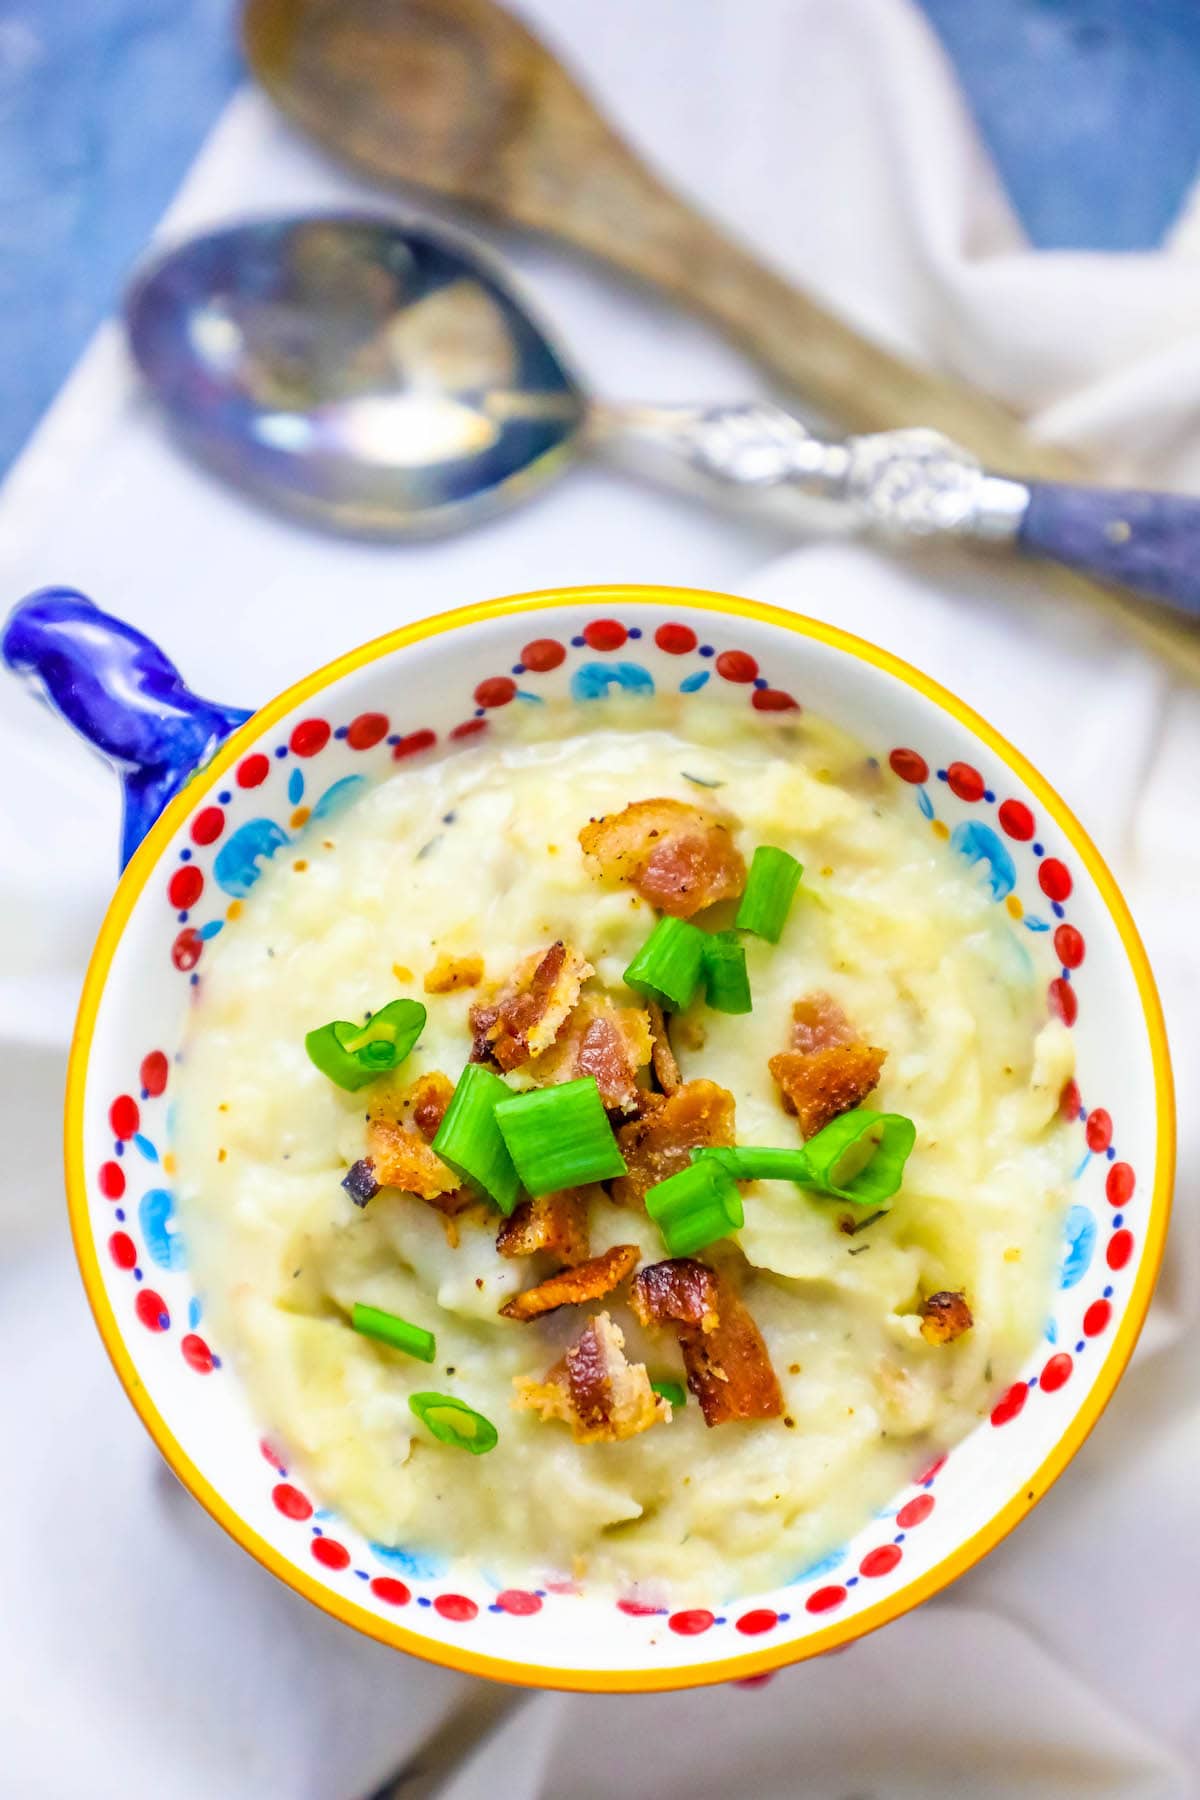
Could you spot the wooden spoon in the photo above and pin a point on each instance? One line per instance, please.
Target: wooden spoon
(457, 97)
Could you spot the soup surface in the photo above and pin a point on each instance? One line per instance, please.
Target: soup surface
(831, 1348)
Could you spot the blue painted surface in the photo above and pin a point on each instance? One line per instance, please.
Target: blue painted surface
(1091, 108)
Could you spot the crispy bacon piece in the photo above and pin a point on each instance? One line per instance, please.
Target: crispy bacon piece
(660, 1142)
(610, 1042)
(944, 1317)
(827, 1069)
(449, 973)
(727, 1365)
(399, 1133)
(557, 1223)
(571, 1287)
(594, 1389)
(677, 856)
(662, 1058)
(529, 1011)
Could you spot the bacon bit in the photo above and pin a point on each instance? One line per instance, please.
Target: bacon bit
(659, 1143)
(827, 1069)
(666, 1069)
(609, 1042)
(557, 1223)
(727, 1365)
(571, 1287)
(531, 1008)
(399, 1131)
(594, 1389)
(944, 1317)
(677, 856)
(452, 972)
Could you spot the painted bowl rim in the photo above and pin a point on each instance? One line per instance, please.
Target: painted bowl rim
(958, 1560)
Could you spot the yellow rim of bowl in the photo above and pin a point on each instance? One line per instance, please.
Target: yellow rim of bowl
(725, 1668)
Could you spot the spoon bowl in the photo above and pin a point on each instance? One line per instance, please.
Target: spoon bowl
(365, 375)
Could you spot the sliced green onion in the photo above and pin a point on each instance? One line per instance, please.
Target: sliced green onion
(559, 1137)
(353, 1055)
(670, 964)
(414, 1340)
(468, 1139)
(451, 1422)
(673, 1392)
(726, 983)
(861, 1156)
(770, 887)
(695, 1207)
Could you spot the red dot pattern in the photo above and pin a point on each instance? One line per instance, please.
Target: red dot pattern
(187, 949)
(519, 1602)
(1120, 1249)
(1096, 1318)
(1098, 1130)
(208, 825)
(1057, 1372)
(196, 1354)
(1070, 1100)
(1010, 1404)
(909, 765)
(935, 1468)
(773, 700)
(543, 654)
(675, 640)
(330, 1554)
(1120, 1184)
(915, 1511)
(497, 690)
(1054, 879)
(151, 1309)
(604, 634)
(310, 737)
(760, 1619)
(736, 665)
(112, 1180)
(692, 1622)
(1069, 946)
(881, 1561)
(965, 781)
(390, 1591)
(122, 1250)
(252, 771)
(1016, 819)
(456, 1607)
(413, 744)
(367, 730)
(825, 1599)
(1064, 1003)
(185, 887)
(291, 1502)
(154, 1072)
(124, 1117)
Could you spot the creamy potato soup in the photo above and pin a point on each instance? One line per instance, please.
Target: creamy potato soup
(604, 1337)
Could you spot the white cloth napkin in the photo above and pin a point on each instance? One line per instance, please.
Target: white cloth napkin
(141, 1653)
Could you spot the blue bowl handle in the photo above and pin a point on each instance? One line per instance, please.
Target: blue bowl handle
(117, 690)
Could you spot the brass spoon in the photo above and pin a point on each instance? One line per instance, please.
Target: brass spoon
(457, 97)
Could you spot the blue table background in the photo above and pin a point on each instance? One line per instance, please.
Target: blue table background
(1091, 109)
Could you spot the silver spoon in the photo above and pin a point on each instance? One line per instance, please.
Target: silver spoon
(385, 380)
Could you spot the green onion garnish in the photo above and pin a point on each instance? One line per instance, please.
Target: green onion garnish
(859, 1157)
(453, 1423)
(559, 1137)
(670, 964)
(695, 1207)
(468, 1139)
(352, 1055)
(726, 983)
(770, 886)
(414, 1340)
(673, 1392)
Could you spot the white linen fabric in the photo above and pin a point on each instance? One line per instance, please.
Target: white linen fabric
(141, 1653)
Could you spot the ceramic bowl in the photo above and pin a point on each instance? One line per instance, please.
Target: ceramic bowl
(420, 692)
